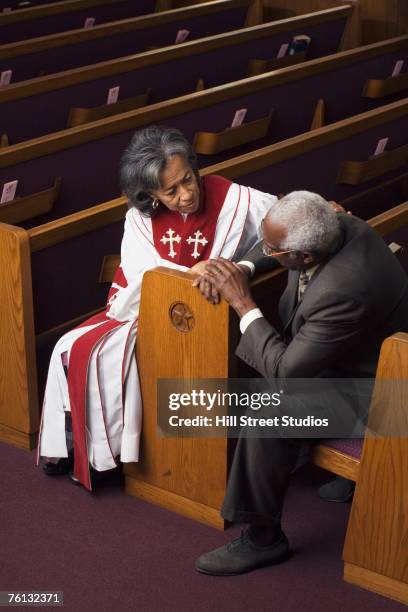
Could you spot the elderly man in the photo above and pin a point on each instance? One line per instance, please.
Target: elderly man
(346, 293)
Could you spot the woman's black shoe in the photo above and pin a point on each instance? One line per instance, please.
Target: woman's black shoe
(74, 480)
(63, 466)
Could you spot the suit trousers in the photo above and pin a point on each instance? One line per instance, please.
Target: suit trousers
(262, 465)
(259, 478)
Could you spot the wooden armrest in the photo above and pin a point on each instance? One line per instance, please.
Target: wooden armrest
(259, 66)
(209, 143)
(21, 209)
(379, 88)
(78, 116)
(390, 220)
(357, 172)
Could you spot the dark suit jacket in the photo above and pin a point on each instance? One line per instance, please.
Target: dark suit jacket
(355, 299)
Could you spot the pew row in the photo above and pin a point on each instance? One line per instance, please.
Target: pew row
(278, 168)
(67, 15)
(174, 71)
(56, 52)
(44, 273)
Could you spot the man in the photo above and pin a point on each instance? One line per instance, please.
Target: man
(346, 293)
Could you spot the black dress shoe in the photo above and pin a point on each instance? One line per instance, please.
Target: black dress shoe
(95, 476)
(63, 466)
(74, 480)
(241, 556)
(340, 490)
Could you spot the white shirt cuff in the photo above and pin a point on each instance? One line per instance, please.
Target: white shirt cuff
(247, 319)
(249, 265)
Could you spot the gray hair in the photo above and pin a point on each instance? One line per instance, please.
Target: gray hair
(145, 158)
(312, 225)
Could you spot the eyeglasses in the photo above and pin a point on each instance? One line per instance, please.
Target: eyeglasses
(267, 251)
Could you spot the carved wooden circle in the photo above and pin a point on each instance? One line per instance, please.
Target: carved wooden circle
(181, 317)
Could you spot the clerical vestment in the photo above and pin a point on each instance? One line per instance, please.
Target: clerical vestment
(102, 389)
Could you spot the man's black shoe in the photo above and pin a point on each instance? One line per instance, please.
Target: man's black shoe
(63, 466)
(340, 490)
(242, 555)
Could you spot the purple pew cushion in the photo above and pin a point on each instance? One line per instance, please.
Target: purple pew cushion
(352, 447)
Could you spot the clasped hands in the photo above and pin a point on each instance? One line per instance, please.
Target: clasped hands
(222, 278)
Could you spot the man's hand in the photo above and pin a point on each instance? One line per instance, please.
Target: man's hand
(230, 281)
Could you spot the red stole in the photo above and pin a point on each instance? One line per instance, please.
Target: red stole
(77, 388)
(185, 242)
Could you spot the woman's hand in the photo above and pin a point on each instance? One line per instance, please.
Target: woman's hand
(198, 268)
(207, 290)
(338, 208)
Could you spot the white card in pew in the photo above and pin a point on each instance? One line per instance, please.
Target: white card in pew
(113, 95)
(397, 68)
(239, 117)
(395, 248)
(182, 35)
(282, 50)
(89, 22)
(5, 77)
(9, 192)
(381, 144)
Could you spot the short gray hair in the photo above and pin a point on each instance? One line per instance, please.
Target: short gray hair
(312, 225)
(145, 158)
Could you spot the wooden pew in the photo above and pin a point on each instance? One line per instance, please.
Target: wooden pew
(172, 71)
(189, 475)
(41, 282)
(41, 20)
(212, 110)
(43, 275)
(56, 52)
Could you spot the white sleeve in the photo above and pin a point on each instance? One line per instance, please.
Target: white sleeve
(260, 203)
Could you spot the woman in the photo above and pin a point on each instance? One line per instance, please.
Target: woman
(175, 219)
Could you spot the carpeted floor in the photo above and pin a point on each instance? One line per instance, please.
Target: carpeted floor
(109, 551)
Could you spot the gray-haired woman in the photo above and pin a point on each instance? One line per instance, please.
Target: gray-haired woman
(175, 219)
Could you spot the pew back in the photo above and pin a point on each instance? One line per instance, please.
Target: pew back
(56, 52)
